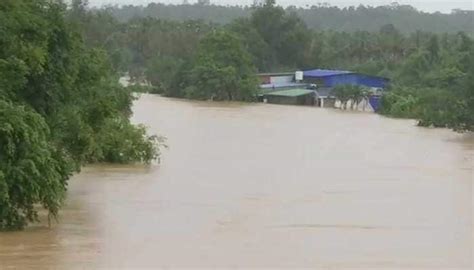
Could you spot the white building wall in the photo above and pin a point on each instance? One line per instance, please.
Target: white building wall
(281, 79)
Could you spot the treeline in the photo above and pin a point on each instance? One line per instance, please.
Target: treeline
(60, 107)
(317, 17)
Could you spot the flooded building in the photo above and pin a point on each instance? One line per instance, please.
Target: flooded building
(324, 80)
(332, 78)
(291, 97)
(314, 87)
(278, 81)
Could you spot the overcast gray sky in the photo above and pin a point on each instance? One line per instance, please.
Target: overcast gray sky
(444, 6)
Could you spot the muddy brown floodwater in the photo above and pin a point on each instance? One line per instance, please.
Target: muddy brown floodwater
(256, 185)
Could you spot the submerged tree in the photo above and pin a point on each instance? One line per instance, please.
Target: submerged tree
(346, 93)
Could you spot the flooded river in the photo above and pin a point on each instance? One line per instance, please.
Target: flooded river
(257, 185)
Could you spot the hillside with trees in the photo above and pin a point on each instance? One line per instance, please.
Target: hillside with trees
(317, 17)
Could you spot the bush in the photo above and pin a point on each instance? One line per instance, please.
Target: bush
(430, 106)
(399, 105)
(437, 108)
(121, 142)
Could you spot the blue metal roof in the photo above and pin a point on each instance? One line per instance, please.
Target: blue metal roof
(324, 72)
(331, 78)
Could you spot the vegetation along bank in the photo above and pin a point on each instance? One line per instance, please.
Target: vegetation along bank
(61, 107)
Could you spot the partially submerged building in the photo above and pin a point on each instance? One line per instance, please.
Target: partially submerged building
(324, 80)
(291, 97)
(278, 81)
(332, 78)
(314, 87)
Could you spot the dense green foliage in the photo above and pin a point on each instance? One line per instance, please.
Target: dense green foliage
(31, 169)
(281, 41)
(222, 70)
(435, 85)
(60, 107)
(275, 38)
(318, 17)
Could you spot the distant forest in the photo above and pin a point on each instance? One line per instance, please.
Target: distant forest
(321, 17)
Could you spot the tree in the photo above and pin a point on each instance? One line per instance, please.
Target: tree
(32, 171)
(342, 93)
(286, 34)
(161, 70)
(348, 92)
(253, 43)
(79, 9)
(464, 105)
(433, 48)
(414, 68)
(223, 70)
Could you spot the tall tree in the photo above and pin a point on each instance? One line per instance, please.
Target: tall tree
(223, 70)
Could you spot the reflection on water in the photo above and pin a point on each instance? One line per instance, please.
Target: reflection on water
(256, 185)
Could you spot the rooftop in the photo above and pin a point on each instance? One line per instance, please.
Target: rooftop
(324, 72)
(291, 93)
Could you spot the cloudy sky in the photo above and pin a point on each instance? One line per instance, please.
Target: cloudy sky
(444, 6)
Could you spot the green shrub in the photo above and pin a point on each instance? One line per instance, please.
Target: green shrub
(121, 142)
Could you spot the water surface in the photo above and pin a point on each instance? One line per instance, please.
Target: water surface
(258, 185)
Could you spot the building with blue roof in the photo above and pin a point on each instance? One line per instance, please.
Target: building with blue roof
(331, 78)
(286, 87)
(326, 80)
